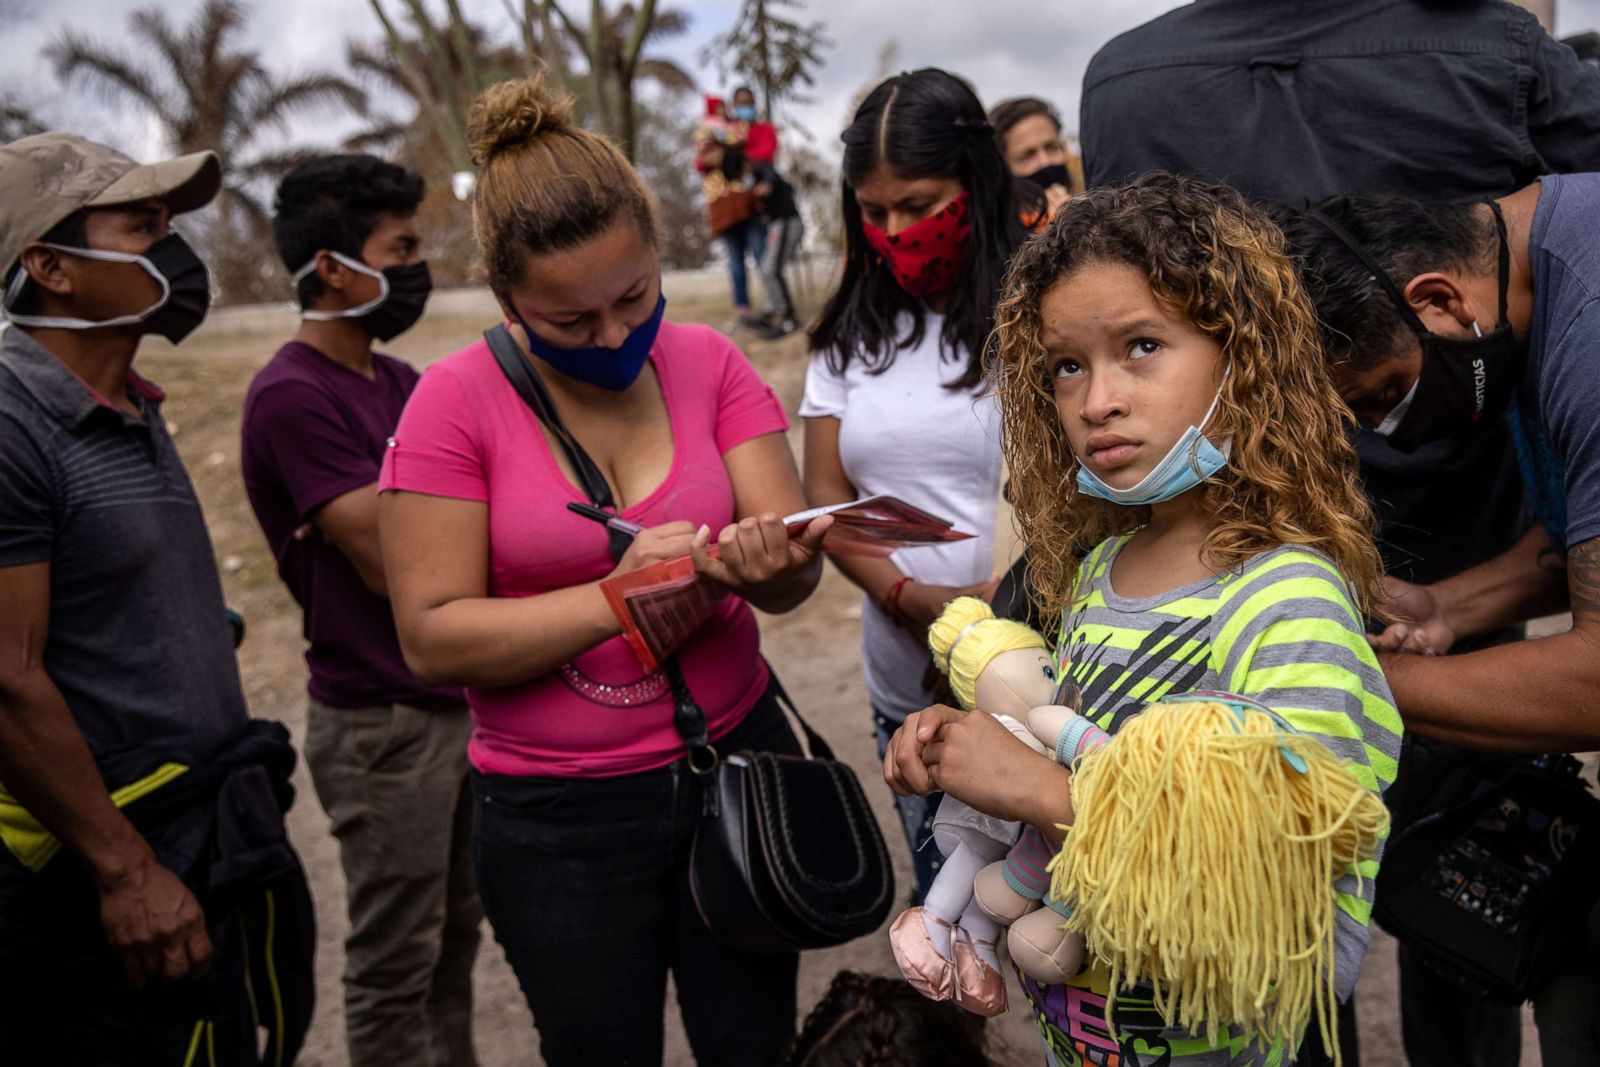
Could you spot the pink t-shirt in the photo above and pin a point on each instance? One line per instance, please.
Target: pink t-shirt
(466, 434)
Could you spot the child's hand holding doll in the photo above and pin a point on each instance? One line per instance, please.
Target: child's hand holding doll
(974, 758)
(997, 775)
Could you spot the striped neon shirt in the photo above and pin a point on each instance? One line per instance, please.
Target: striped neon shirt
(1282, 630)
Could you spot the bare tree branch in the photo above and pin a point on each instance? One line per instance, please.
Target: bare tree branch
(641, 26)
(466, 48)
(566, 20)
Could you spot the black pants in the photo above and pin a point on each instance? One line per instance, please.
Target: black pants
(585, 881)
(64, 998)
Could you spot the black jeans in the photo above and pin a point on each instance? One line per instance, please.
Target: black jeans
(585, 881)
(64, 998)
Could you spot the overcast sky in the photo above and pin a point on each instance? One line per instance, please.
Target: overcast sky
(1004, 47)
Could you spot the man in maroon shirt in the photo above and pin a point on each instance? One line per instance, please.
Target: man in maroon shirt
(387, 754)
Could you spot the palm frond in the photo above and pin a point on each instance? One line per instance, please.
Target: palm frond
(378, 63)
(254, 212)
(17, 121)
(281, 99)
(215, 23)
(381, 138)
(116, 79)
(271, 165)
(670, 22)
(186, 65)
(665, 73)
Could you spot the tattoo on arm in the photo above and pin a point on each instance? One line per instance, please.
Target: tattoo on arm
(1583, 576)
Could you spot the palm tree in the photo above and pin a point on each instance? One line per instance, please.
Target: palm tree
(206, 94)
(440, 67)
(16, 120)
(442, 64)
(613, 43)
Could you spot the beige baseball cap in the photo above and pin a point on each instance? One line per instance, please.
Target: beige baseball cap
(46, 177)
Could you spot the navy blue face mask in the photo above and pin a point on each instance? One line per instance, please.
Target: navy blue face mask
(608, 368)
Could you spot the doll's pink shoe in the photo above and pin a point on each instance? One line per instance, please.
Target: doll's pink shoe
(928, 972)
(979, 987)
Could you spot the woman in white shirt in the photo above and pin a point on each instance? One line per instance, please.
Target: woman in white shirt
(896, 396)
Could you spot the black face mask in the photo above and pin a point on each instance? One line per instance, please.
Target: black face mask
(1465, 382)
(1051, 174)
(409, 289)
(402, 296)
(174, 266)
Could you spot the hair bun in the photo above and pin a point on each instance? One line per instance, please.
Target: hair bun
(512, 113)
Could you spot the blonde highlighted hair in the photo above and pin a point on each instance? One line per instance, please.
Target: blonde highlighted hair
(966, 637)
(1218, 263)
(545, 184)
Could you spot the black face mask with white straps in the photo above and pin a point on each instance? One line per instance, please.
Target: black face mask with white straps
(185, 291)
(403, 292)
(1465, 382)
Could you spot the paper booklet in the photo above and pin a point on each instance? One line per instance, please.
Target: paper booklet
(662, 605)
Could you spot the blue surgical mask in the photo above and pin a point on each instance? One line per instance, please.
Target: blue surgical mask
(1190, 461)
(608, 368)
(745, 112)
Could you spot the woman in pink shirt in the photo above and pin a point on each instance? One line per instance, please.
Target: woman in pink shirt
(584, 807)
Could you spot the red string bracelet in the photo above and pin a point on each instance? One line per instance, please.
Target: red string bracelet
(891, 600)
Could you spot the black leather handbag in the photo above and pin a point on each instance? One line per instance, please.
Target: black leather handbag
(787, 854)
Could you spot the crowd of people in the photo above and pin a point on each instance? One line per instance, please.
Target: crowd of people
(1290, 406)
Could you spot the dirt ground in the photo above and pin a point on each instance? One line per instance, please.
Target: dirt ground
(815, 650)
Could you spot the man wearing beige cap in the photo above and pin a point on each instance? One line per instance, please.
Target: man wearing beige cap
(146, 884)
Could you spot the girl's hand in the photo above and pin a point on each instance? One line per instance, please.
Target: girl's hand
(981, 763)
(667, 541)
(921, 604)
(903, 767)
(756, 555)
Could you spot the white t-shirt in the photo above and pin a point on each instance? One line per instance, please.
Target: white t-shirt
(903, 433)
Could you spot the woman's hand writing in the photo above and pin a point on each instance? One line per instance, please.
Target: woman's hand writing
(667, 541)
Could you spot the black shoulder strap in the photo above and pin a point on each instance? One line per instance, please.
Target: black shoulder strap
(514, 365)
(1381, 276)
(687, 716)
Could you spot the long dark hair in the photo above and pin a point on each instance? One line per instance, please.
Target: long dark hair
(928, 123)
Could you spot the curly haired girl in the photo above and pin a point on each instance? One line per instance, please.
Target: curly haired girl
(1166, 410)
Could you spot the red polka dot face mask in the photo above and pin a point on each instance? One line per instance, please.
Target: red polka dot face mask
(925, 257)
